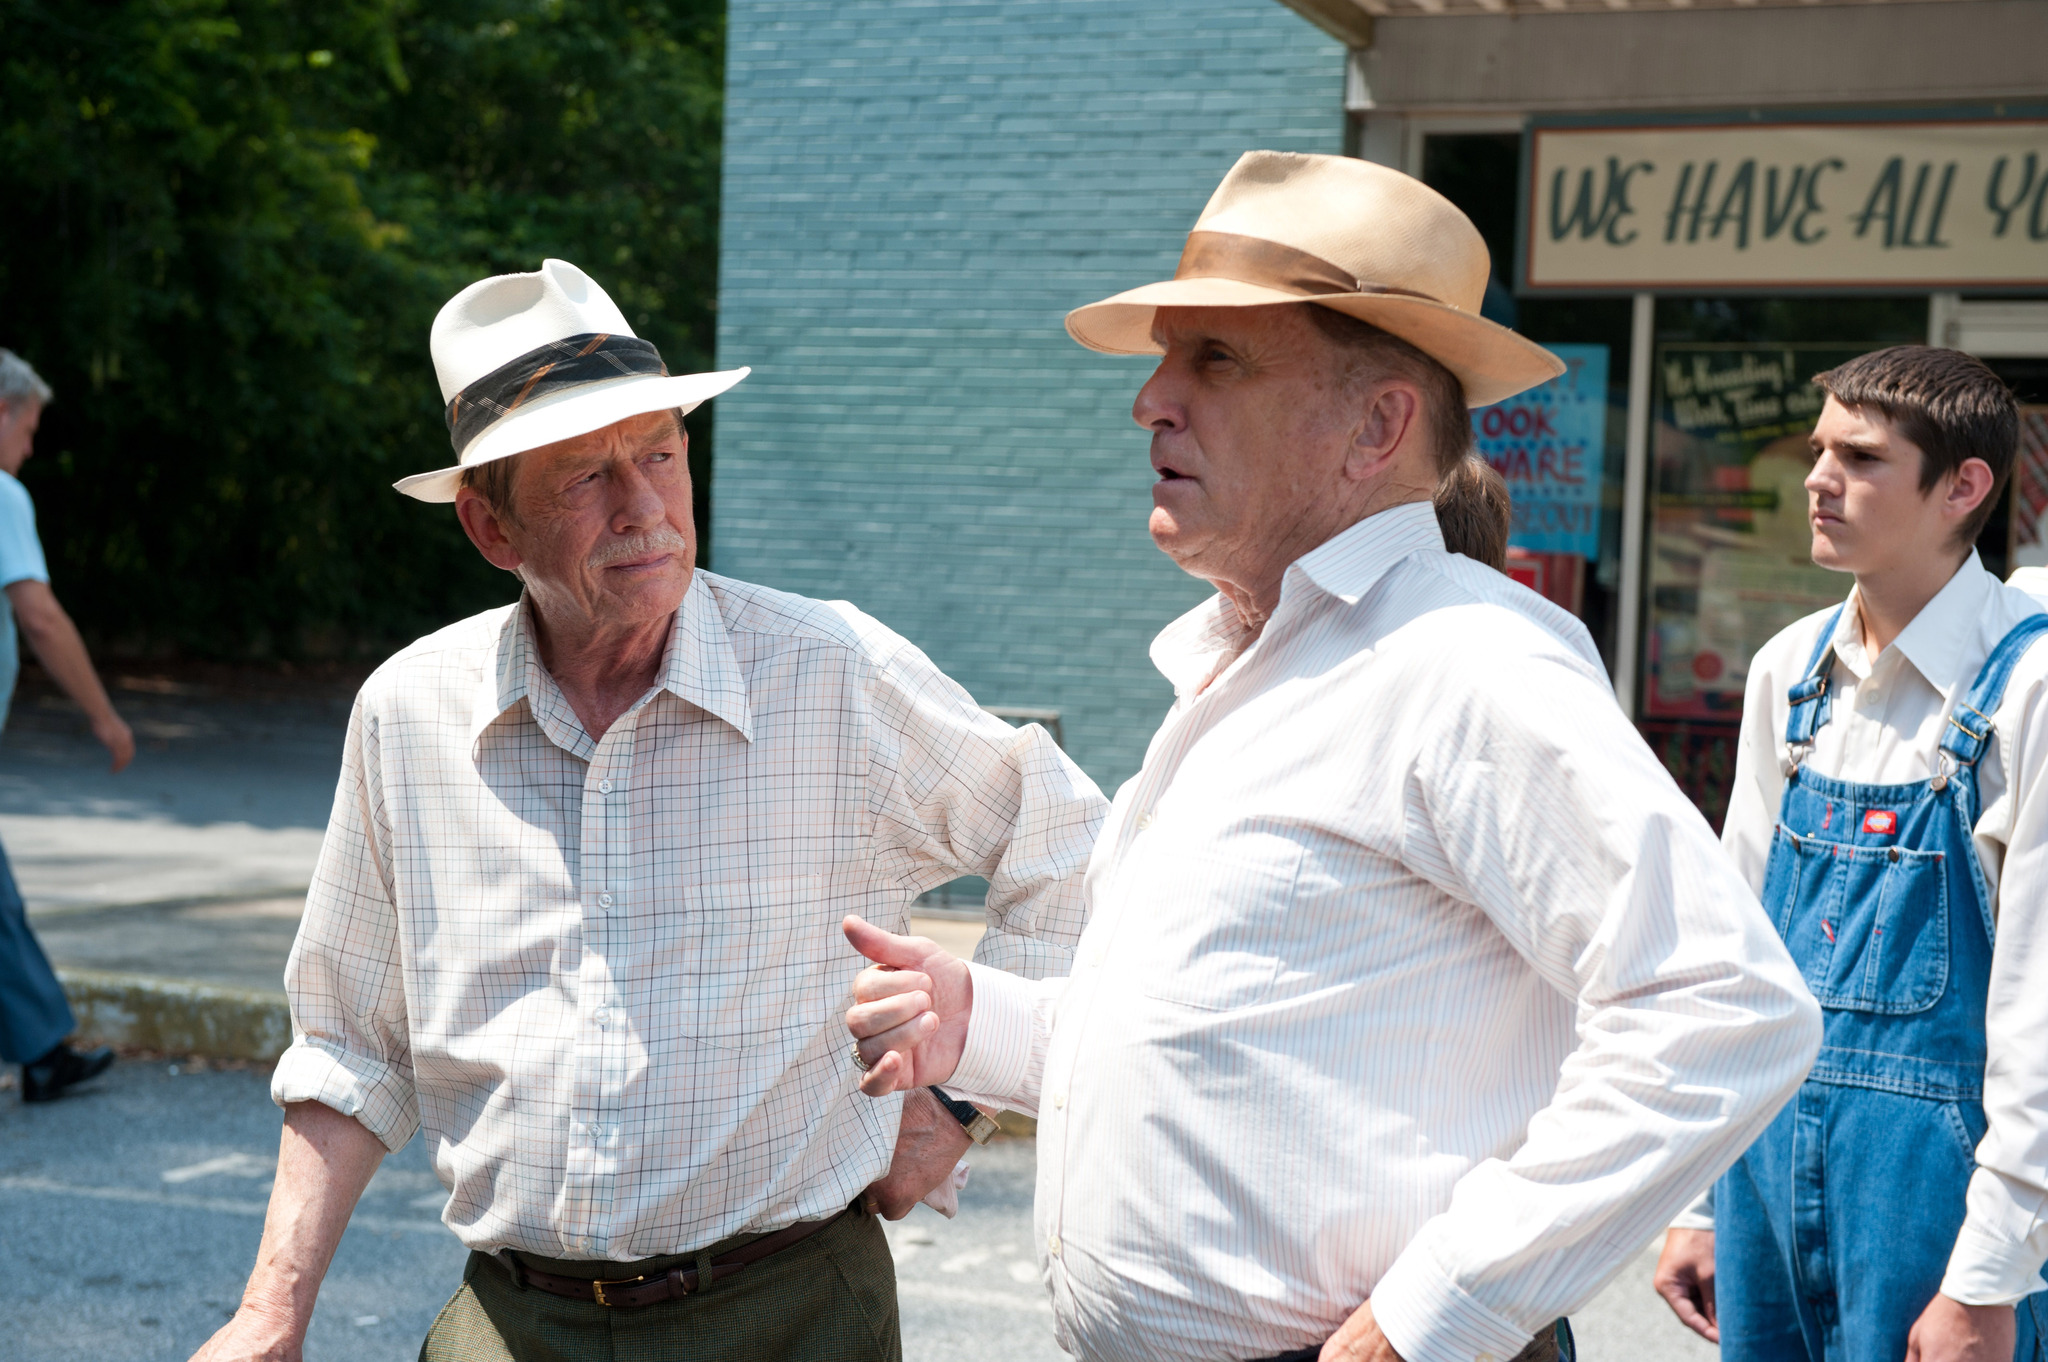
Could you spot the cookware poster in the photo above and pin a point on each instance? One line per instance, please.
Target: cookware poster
(1549, 443)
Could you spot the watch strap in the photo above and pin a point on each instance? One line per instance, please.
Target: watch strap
(977, 1123)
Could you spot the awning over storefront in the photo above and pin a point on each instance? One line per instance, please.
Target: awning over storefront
(1468, 57)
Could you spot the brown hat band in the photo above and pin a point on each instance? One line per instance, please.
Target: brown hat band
(1255, 260)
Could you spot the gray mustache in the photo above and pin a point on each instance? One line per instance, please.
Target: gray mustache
(663, 540)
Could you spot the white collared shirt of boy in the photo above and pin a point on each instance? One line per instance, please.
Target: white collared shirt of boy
(1409, 975)
(608, 977)
(1884, 728)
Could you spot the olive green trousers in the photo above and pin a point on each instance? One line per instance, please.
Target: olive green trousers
(830, 1298)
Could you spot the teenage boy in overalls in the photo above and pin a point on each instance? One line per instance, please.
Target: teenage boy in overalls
(1890, 808)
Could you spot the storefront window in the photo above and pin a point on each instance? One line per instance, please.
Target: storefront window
(1582, 572)
(1728, 548)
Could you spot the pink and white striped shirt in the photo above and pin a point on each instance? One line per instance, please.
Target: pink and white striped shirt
(1409, 974)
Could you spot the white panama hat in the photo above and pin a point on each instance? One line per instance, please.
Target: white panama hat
(528, 359)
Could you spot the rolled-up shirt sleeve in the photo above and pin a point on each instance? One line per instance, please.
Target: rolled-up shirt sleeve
(350, 1048)
(1693, 1024)
(960, 792)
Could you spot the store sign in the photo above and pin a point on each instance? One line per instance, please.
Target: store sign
(1787, 206)
(1549, 443)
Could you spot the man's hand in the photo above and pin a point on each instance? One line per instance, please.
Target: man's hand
(1359, 1340)
(909, 1014)
(115, 735)
(1685, 1279)
(1949, 1331)
(928, 1144)
(62, 652)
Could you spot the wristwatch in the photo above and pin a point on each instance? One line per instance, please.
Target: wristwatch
(978, 1124)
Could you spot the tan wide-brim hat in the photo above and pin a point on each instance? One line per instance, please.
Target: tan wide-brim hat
(1344, 234)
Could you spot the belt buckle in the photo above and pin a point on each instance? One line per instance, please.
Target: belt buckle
(598, 1287)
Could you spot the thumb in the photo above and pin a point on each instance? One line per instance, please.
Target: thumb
(884, 948)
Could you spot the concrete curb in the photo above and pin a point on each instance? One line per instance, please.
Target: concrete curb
(179, 1016)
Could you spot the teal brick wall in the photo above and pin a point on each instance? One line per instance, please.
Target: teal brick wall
(916, 191)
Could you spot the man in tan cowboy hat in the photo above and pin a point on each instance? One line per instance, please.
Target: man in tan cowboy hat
(1415, 997)
(577, 915)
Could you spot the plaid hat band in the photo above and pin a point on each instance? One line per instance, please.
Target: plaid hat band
(573, 362)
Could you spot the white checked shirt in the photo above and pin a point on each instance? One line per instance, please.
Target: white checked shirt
(607, 977)
(1884, 727)
(1409, 975)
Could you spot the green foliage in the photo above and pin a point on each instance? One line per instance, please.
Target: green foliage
(228, 226)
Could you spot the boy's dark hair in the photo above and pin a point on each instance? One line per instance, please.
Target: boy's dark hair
(1473, 510)
(1948, 403)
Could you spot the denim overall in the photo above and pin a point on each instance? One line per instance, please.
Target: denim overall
(1833, 1232)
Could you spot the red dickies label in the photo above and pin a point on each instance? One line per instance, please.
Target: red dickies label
(1881, 822)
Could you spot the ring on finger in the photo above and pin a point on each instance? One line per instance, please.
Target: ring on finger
(860, 1061)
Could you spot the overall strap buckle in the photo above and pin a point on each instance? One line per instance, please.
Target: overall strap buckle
(1969, 726)
(1809, 697)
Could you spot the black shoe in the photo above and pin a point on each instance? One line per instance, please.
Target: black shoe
(46, 1078)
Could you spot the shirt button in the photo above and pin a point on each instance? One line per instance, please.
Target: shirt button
(601, 1016)
(604, 787)
(604, 900)
(1052, 1246)
(1059, 1101)
(1144, 821)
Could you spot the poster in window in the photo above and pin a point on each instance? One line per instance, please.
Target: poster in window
(1549, 444)
(1730, 553)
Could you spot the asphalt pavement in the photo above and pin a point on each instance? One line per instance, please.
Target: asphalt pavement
(226, 798)
(133, 1208)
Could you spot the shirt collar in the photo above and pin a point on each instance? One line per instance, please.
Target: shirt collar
(700, 668)
(1350, 564)
(1941, 641)
(1191, 650)
(703, 669)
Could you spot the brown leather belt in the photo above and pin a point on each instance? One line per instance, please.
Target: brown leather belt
(627, 1293)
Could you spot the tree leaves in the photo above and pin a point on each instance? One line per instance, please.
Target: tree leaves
(229, 226)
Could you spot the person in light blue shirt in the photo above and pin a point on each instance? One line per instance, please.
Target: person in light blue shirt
(35, 1019)
(21, 560)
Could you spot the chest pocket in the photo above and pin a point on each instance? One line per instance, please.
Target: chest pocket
(1868, 925)
(756, 962)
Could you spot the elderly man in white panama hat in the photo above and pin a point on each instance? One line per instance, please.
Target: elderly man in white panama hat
(577, 913)
(1414, 998)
